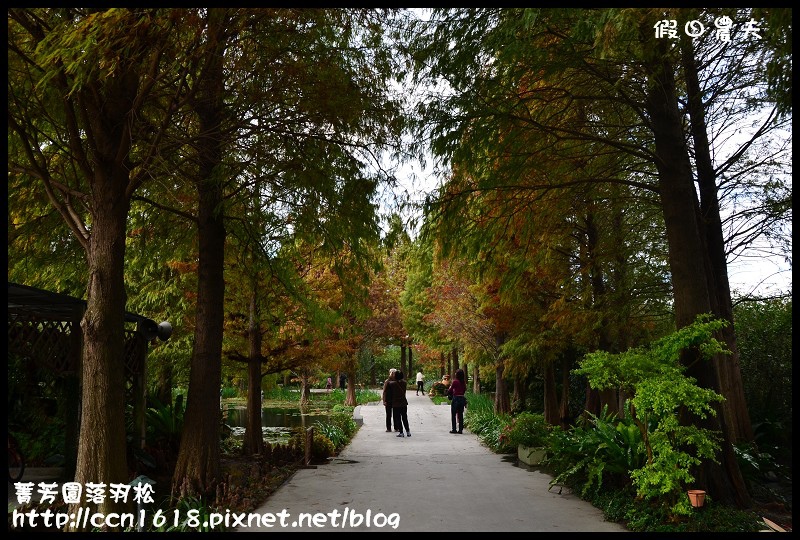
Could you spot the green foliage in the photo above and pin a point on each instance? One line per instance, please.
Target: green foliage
(228, 393)
(599, 453)
(339, 427)
(654, 376)
(764, 341)
(165, 423)
(338, 396)
(322, 447)
(484, 423)
(527, 429)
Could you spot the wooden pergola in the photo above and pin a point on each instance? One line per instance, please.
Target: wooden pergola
(44, 328)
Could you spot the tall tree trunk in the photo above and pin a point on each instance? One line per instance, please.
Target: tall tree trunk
(476, 379)
(441, 365)
(687, 254)
(350, 398)
(563, 406)
(403, 357)
(253, 436)
(730, 375)
(455, 360)
(518, 399)
(502, 403)
(305, 390)
(101, 441)
(101, 452)
(198, 466)
(550, 394)
(410, 359)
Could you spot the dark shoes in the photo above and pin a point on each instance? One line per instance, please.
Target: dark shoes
(388, 431)
(401, 434)
(453, 431)
(408, 434)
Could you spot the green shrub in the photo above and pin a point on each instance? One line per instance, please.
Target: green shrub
(528, 429)
(322, 447)
(601, 451)
(655, 377)
(227, 393)
(339, 427)
(483, 422)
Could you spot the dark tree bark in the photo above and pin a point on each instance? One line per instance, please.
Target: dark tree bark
(253, 436)
(563, 409)
(350, 397)
(728, 368)
(688, 257)
(101, 439)
(198, 466)
(502, 402)
(551, 413)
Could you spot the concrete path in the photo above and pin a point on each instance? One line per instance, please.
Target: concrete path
(434, 482)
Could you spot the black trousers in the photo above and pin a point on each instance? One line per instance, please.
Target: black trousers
(420, 386)
(457, 412)
(401, 415)
(389, 418)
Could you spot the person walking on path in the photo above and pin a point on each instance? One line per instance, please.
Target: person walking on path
(420, 383)
(400, 403)
(458, 401)
(387, 400)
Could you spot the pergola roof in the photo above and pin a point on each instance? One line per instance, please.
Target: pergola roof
(52, 305)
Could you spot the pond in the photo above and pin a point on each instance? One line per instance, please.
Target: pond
(278, 424)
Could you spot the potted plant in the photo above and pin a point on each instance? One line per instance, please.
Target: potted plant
(529, 432)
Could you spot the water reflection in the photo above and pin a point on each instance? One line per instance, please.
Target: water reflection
(277, 424)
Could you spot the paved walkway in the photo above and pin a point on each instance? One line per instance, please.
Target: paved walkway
(433, 482)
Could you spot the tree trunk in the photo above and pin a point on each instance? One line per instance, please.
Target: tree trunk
(403, 357)
(441, 365)
(198, 466)
(455, 360)
(101, 441)
(305, 390)
(502, 403)
(563, 409)
(550, 394)
(350, 399)
(253, 436)
(730, 375)
(410, 359)
(687, 255)
(476, 379)
(101, 452)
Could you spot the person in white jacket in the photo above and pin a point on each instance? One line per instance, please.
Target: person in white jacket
(420, 383)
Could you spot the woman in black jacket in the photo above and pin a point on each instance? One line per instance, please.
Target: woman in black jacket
(400, 403)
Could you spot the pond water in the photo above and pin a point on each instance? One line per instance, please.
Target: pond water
(278, 424)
